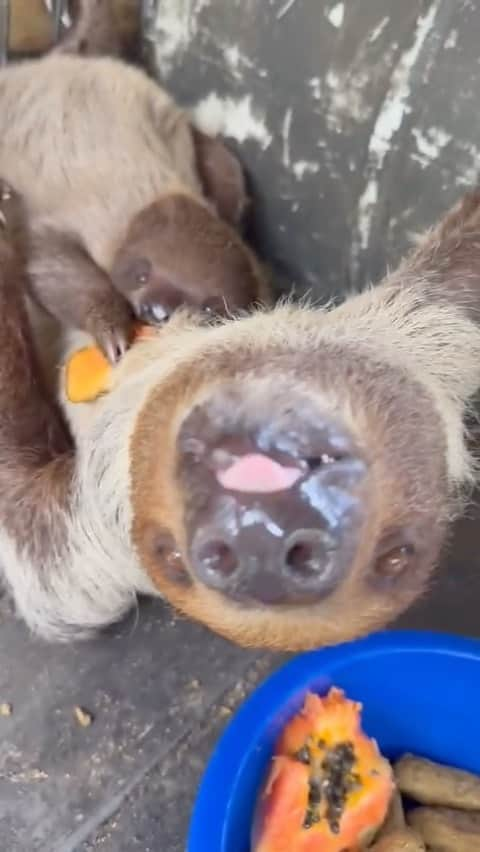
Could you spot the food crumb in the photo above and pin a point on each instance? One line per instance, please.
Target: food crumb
(6, 709)
(83, 717)
(224, 711)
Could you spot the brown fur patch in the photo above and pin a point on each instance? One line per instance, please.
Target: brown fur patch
(36, 461)
(446, 264)
(31, 29)
(222, 177)
(93, 32)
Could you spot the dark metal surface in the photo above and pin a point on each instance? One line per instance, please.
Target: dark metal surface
(357, 120)
(4, 30)
(358, 123)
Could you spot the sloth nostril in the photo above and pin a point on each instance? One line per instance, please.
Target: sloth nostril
(309, 554)
(217, 558)
(303, 559)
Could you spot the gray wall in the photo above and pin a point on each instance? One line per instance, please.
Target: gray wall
(357, 120)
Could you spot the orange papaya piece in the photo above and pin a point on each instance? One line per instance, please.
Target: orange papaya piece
(329, 788)
(87, 372)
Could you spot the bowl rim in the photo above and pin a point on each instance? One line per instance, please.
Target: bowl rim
(247, 727)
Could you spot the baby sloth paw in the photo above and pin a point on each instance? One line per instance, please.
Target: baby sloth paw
(112, 327)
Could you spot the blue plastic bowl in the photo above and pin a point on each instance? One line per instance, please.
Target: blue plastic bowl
(420, 693)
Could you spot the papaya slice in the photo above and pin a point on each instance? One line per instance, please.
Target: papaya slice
(86, 374)
(87, 371)
(329, 788)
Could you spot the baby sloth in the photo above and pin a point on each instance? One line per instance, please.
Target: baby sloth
(131, 209)
(286, 478)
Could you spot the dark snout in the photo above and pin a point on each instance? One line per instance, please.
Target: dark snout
(155, 305)
(275, 498)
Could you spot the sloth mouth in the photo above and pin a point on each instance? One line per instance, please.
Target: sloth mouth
(242, 466)
(257, 473)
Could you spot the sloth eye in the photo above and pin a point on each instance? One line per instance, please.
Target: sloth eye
(396, 556)
(213, 308)
(141, 270)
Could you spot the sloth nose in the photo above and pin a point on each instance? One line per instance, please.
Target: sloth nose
(274, 503)
(153, 313)
(156, 304)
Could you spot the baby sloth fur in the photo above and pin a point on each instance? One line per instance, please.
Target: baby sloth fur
(131, 209)
(365, 403)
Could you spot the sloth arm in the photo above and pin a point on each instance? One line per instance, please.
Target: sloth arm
(67, 283)
(36, 452)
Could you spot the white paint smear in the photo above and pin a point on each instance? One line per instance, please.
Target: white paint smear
(305, 167)
(285, 8)
(430, 144)
(377, 32)
(286, 127)
(176, 25)
(232, 57)
(394, 109)
(238, 62)
(467, 174)
(451, 40)
(367, 203)
(238, 119)
(348, 97)
(315, 85)
(336, 15)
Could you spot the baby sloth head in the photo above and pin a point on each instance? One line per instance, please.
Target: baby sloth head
(179, 253)
(185, 248)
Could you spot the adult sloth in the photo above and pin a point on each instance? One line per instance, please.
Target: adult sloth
(286, 478)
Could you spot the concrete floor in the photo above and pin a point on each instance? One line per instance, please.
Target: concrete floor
(331, 105)
(160, 691)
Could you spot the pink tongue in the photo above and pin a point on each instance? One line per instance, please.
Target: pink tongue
(258, 474)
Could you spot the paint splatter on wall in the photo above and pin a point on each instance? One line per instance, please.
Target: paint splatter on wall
(357, 123)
